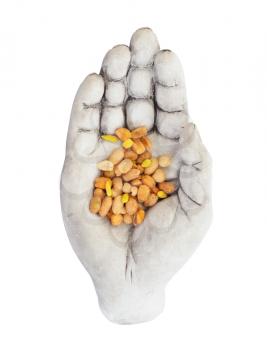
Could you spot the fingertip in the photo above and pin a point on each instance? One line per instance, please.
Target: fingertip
(116, 62)
(91, 90)
(168, 69)
(144, 45)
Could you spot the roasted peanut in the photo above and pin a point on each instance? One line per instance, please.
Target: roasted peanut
(151, 200)
(155, 189)
(125, 165)
(131, 175)
(143, 193)
(164, 160)
(140, 168)
(167, 187)
(99, 193)
(131, 206)
(116, 155)
(139, 132)
(129, 154)
(117, 170)
(142, 157)
(148, 180)
(127, 219)
(146, 142)
(109, 214)
(105, 165)
(152, 168)
(123, 134)
(105, 206)
(138, 147)
(109, 174)
(134, 191)
(126, 188)
(117, 184)
(116, 219)
(117, 205)
(139, 217)
(100, 182)
(136, 182)
(159, 175)
(95, 204)
(115, 193)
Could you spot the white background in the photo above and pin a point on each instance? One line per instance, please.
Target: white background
(218, 300)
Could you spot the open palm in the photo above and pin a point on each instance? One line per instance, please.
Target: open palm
(130, 266)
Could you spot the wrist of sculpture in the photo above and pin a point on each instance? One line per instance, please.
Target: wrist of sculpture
(132, 305)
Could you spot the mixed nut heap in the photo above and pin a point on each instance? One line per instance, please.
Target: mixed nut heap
(131, 179)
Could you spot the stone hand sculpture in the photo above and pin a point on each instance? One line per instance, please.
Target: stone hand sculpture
(139, 85)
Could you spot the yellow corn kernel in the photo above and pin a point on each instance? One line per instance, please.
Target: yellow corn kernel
(108, 188)
(110, 138)
(127, 144)
(146, 163)
(125, 198)
(161, 194)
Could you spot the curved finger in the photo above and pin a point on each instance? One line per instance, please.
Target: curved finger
(140, 84)
(85, 116)
(114, 69)
(116, 62)
(170, 94)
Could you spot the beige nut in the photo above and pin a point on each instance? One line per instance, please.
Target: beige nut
(117, 170)
(139, 217)
(136, 182)
(146, 142)
(117, 184)
(164, 160)
(144, 156)
(109, 174)
(98, 192)
(116, 155)
(134, 191)
(143, 193)
(116, 219)
(159, 175)
(125, 165)
(105, 206)
(138, 147)
(131, 206)
(130, 154)
(105, 165)
(100, 182)
(127, 219)
(139, 132)
(151, 200)
(117, 205)
(131, 175)
(126, 188)
(167, 187)
(123, 134)
(152, 168)
(148, 180)
(95, 204)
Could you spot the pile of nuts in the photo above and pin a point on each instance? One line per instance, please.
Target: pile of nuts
(131, 179)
